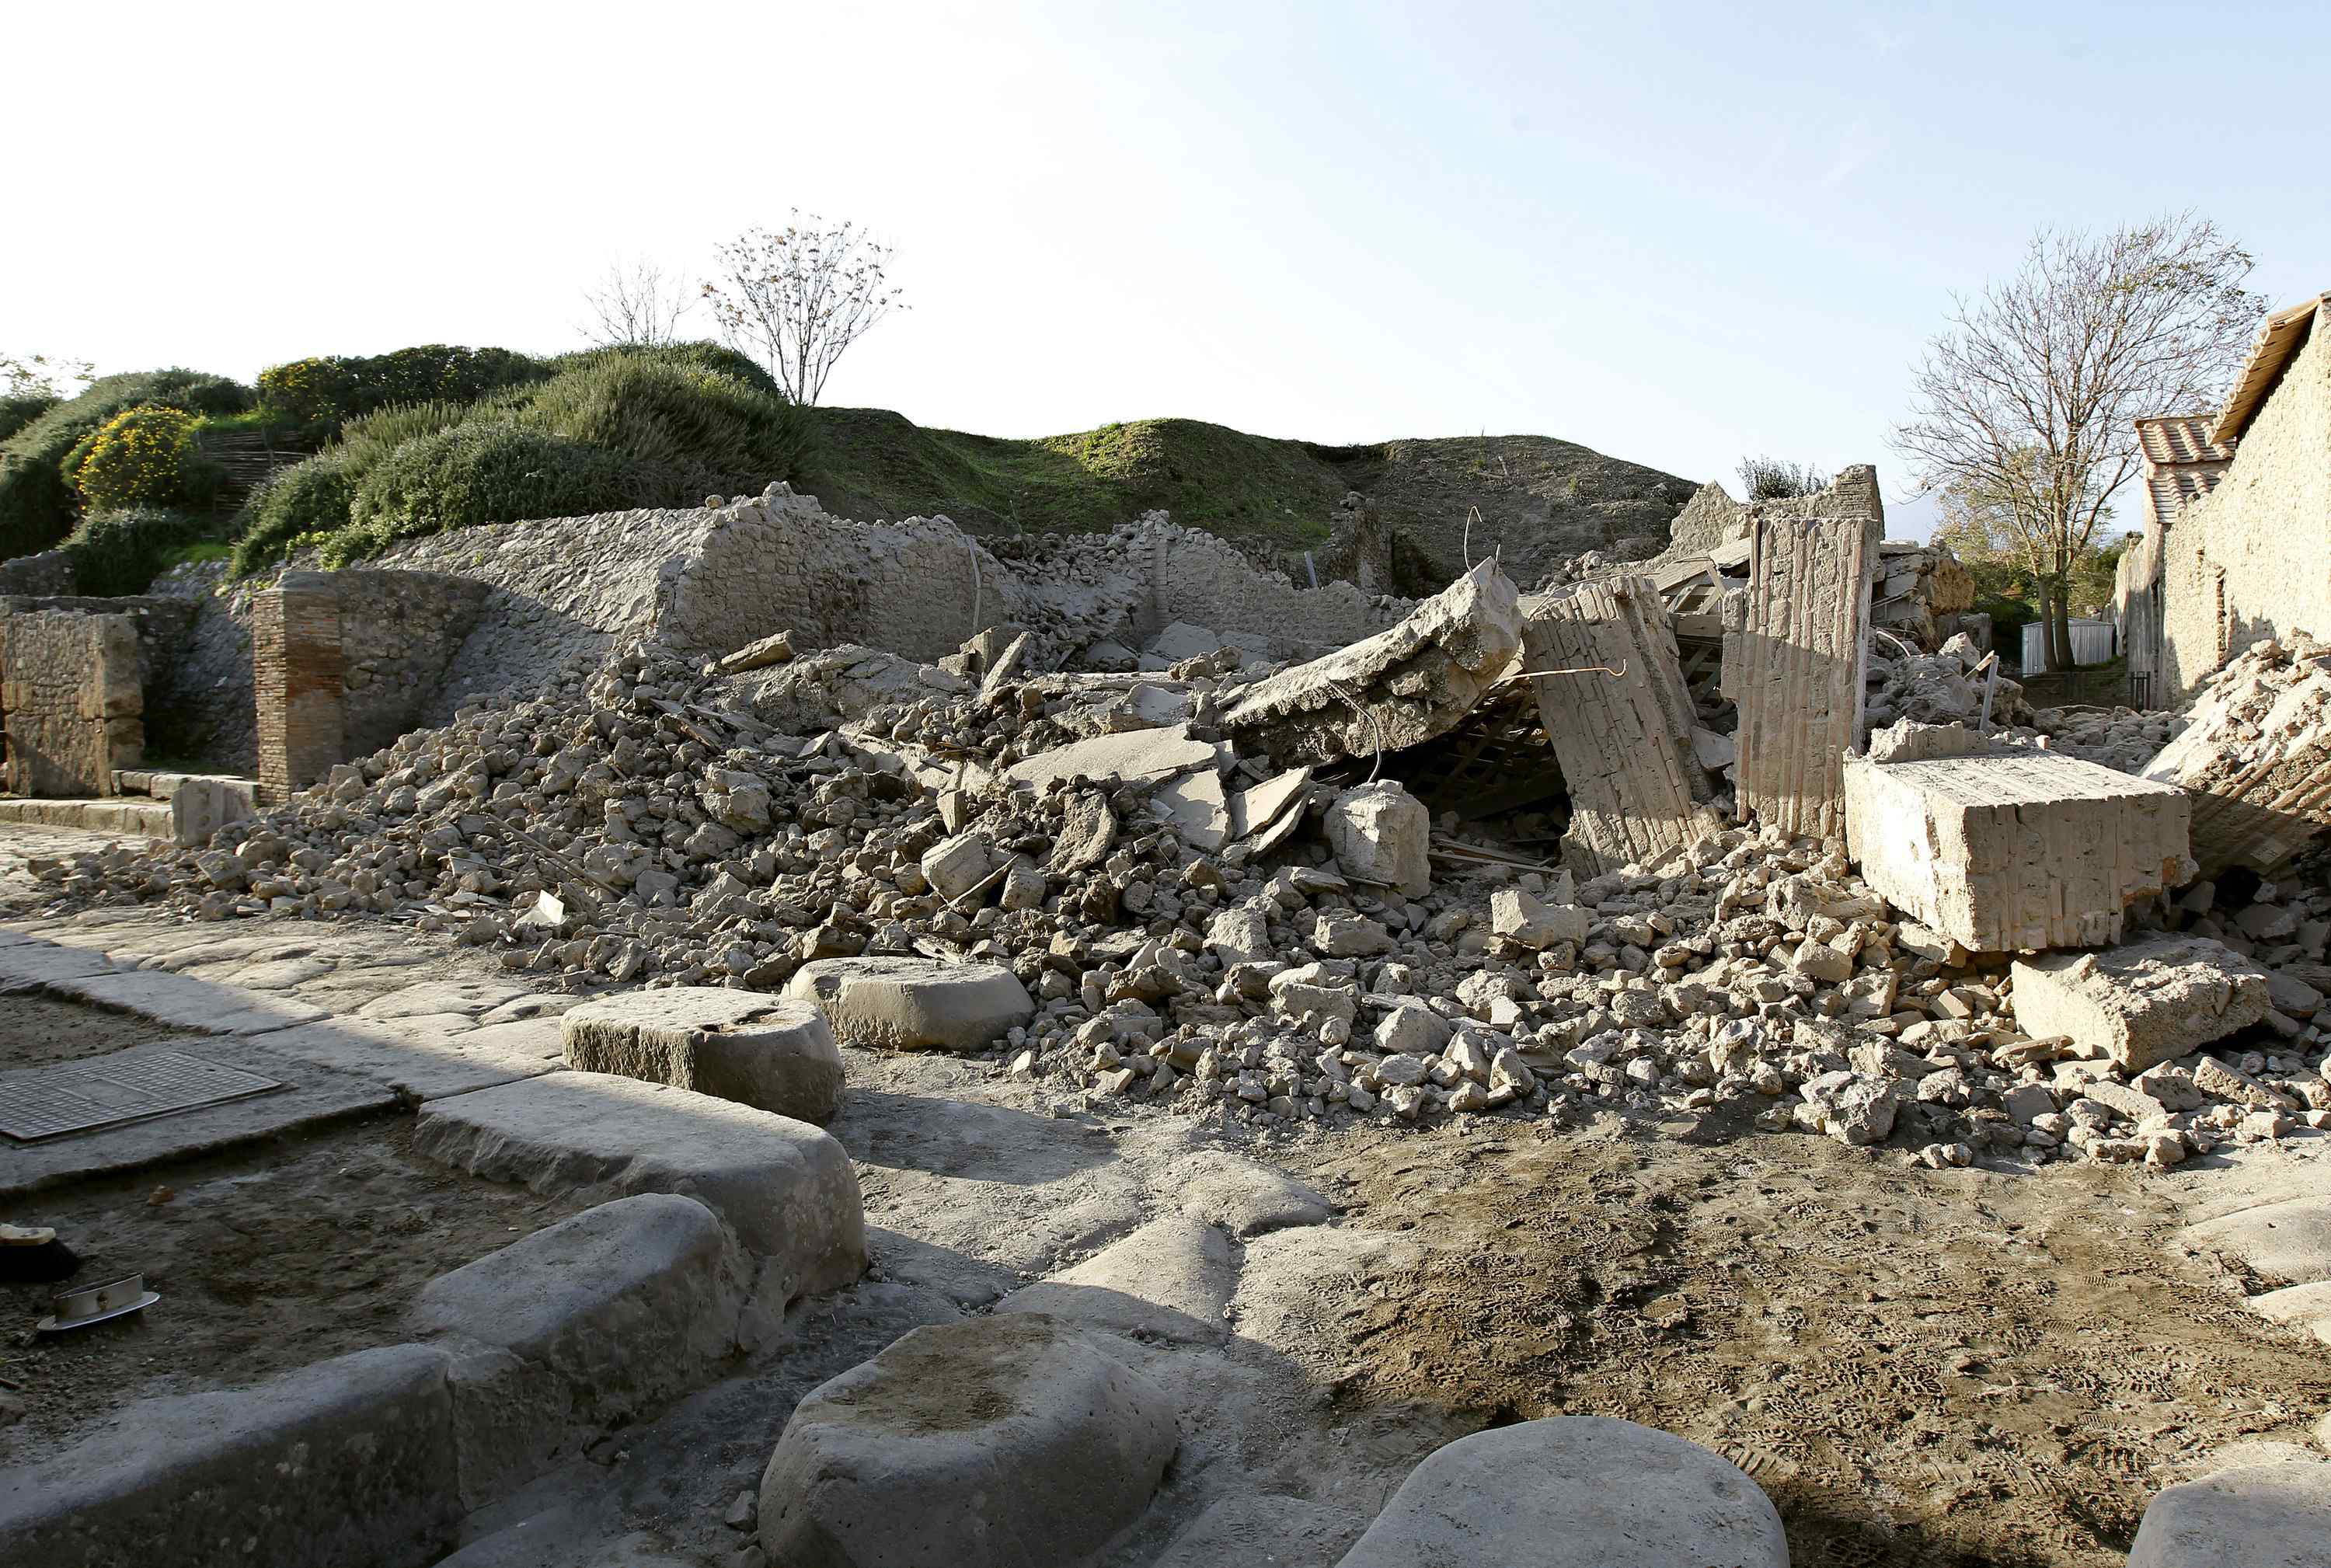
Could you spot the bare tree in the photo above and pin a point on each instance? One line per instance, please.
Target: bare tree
(638, 305)
(1770, 479)
(2026, 404)
(43, 376)
(794, 299)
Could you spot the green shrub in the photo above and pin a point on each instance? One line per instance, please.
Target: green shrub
(329, 391)
(37, 506)
(689, 432)
(700, 354)
(121, 550)
(22, 409)
(138, 458)
(480, 473)
(307, 497)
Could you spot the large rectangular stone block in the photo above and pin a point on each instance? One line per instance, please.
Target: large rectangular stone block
(2014, 849)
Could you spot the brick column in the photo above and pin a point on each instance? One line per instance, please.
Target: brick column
(298, 673)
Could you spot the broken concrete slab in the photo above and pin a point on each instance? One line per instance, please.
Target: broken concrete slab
(998, 1442)
(313, 1096)
(1380, 834)
(588, 1324)
(2014, 849)
(786, 1190)
(1196, 807)
(2307, 1306)
(884, 1003)
(1255, 808)
(1575, 1492)
(1133, 757)
(423, 1062)
(2142, 1002)
(776, 1054)
(1399, 687)
(1794, 648)
(1620, 721)
(2274, 1515)
(1171, 1279)
(349, 1461)
(33, 962)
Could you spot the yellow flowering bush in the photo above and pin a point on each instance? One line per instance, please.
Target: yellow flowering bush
(137, 457)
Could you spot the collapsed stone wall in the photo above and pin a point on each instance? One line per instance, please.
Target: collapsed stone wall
(70, 700)
(2251, 560)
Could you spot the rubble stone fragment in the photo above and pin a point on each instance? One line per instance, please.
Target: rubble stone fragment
(2144, 1001)
(1382, 834)
(891, 1003)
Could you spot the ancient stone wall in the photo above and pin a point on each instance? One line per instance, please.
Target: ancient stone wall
(50, 571)
(162, 625)
(398, 630)
(206, 712)
(70, 701)
(2251, 559)
(343, 662)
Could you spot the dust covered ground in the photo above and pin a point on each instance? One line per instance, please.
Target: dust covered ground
(1924, 1369)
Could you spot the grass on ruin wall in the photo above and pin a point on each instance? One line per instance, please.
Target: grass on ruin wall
(871, 463)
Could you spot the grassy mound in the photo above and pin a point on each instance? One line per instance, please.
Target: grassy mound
(607, 430)
(873, 463)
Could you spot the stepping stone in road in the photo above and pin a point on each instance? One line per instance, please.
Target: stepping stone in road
(914, 1004)
(996, 1442)
(770, 1052)
(1574, 1492)
(2255, 1517)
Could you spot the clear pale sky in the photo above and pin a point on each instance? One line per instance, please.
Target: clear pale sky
(1675, 234)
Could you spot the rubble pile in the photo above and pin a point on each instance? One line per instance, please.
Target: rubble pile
(2121, 738)
(1921, 591)
(1938, 688)
(1220, 917)
(2257, 755)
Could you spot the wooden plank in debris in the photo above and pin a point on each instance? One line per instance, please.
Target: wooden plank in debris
(1794, 663)
(1624, 738)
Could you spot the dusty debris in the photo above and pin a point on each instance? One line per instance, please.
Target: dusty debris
(2257, 755)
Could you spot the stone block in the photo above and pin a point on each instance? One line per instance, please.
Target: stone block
(786, 1190)
(2276, 1516)
(1000, 1442)
(776, 1054)
(1382, 834)
(589, 1324)
(347, 1461)
(2015, 849)
(1171, 1279)
(1533, 922)
(1574, 1492)
(2144, 1001)
(886, 1004)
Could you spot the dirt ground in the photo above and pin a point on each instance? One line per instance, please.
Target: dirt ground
(44, 1029)
(267, 1258)
(1923, 1369)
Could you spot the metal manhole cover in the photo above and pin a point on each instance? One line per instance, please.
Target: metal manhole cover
(105, 1091)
